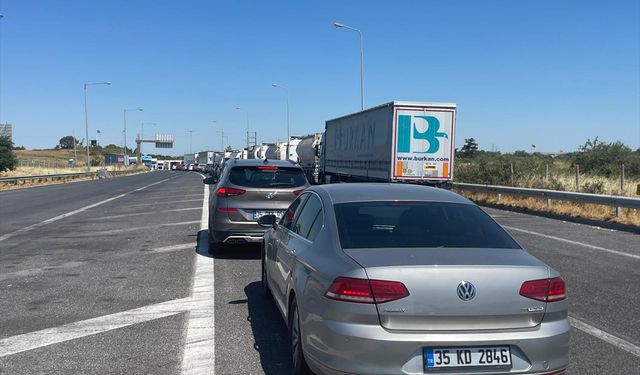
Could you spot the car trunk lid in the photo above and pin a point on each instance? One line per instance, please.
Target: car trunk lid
(433, 276)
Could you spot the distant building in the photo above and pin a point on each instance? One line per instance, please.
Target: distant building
(5, 131)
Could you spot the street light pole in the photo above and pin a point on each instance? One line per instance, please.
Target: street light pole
(288, 123)
(339, 26)
(86, 117)
(125, 128)
(190, 141)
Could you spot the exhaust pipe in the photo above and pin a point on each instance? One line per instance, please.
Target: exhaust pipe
(236, 241)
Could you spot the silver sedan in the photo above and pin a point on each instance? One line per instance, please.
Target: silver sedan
(405, 279)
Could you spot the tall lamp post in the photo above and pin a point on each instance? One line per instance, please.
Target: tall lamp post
(286, 92)
(86, 117)
(342, 26)
(125, 127)
(247, 112)
(190, 141)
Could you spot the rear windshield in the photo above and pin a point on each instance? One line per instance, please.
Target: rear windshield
(267, 177)
(418, 224)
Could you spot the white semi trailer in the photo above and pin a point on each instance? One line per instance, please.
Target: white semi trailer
(398, 141)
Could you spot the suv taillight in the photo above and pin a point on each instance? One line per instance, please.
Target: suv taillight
(298, 192)
(229, 192)
(545, 290)
(349, 289)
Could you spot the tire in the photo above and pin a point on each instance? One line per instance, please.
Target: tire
(213, 245)
(300, 366)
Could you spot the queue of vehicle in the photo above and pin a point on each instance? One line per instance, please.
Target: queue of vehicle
(392, 277)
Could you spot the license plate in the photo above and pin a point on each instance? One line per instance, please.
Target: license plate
(257, 214)
(498, 357)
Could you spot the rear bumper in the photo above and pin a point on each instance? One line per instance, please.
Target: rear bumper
(240, 238)
(339, 348)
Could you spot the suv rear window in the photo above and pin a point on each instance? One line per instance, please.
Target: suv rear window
(267, 176)
(418, 224)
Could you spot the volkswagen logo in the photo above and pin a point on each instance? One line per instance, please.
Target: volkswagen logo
(466, 291)
(270, 196)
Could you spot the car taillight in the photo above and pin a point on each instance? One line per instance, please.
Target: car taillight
(228, 209)
(349, 289)
(229, 192)
(298, 192)
(545, 290)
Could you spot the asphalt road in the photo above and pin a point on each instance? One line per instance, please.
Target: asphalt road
(109, 277)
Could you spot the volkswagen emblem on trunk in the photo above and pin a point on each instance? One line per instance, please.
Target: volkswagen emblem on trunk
(466, 291)
(270, 196)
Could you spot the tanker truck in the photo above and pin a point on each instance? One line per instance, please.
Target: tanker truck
(308, 151)
(395, 142)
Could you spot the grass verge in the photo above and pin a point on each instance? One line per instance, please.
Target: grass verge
(628, 216)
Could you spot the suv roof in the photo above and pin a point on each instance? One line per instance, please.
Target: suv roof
(255, 162)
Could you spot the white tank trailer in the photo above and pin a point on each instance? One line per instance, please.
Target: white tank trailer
(308, 152)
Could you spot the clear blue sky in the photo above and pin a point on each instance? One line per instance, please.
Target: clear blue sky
(550, 73)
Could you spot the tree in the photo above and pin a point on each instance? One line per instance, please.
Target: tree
(470, 147)
(8, 160)
(66, 142)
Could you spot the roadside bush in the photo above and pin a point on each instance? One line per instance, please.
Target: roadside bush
(8, 160)
(605, 159)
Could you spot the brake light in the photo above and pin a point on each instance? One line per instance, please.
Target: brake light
(545, 290)
(268, 167)
(229, 192)
(228, 209)
(298, 192)
(349, 289)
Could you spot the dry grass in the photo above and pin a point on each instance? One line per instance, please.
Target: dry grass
(579, 210)
(37, 171)
(588, 184)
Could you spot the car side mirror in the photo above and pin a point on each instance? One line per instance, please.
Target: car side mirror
(209, 181)
(267, 221)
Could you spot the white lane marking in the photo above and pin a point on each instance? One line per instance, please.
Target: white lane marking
(33, 340)
(79, 210)
(166, 249)
(102, 218)
(633, 256)
(199, 351)
(604, 336)
(131, 229)
(162, 202)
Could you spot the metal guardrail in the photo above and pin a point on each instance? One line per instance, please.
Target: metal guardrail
(550, 195)
(63, 176)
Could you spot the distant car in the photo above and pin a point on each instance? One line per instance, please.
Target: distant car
(406, 279)
(200, 167)
(190, 167)
(246, 191)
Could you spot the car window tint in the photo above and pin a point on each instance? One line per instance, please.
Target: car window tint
(418, 224)
(289, 215)
(307, 216)
(316, 226)
(267, 176)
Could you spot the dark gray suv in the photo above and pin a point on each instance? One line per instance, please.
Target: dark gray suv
(248, 190)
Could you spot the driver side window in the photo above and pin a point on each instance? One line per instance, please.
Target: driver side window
(290, 213)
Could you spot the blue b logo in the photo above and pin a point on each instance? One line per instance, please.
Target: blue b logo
(406, 130)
